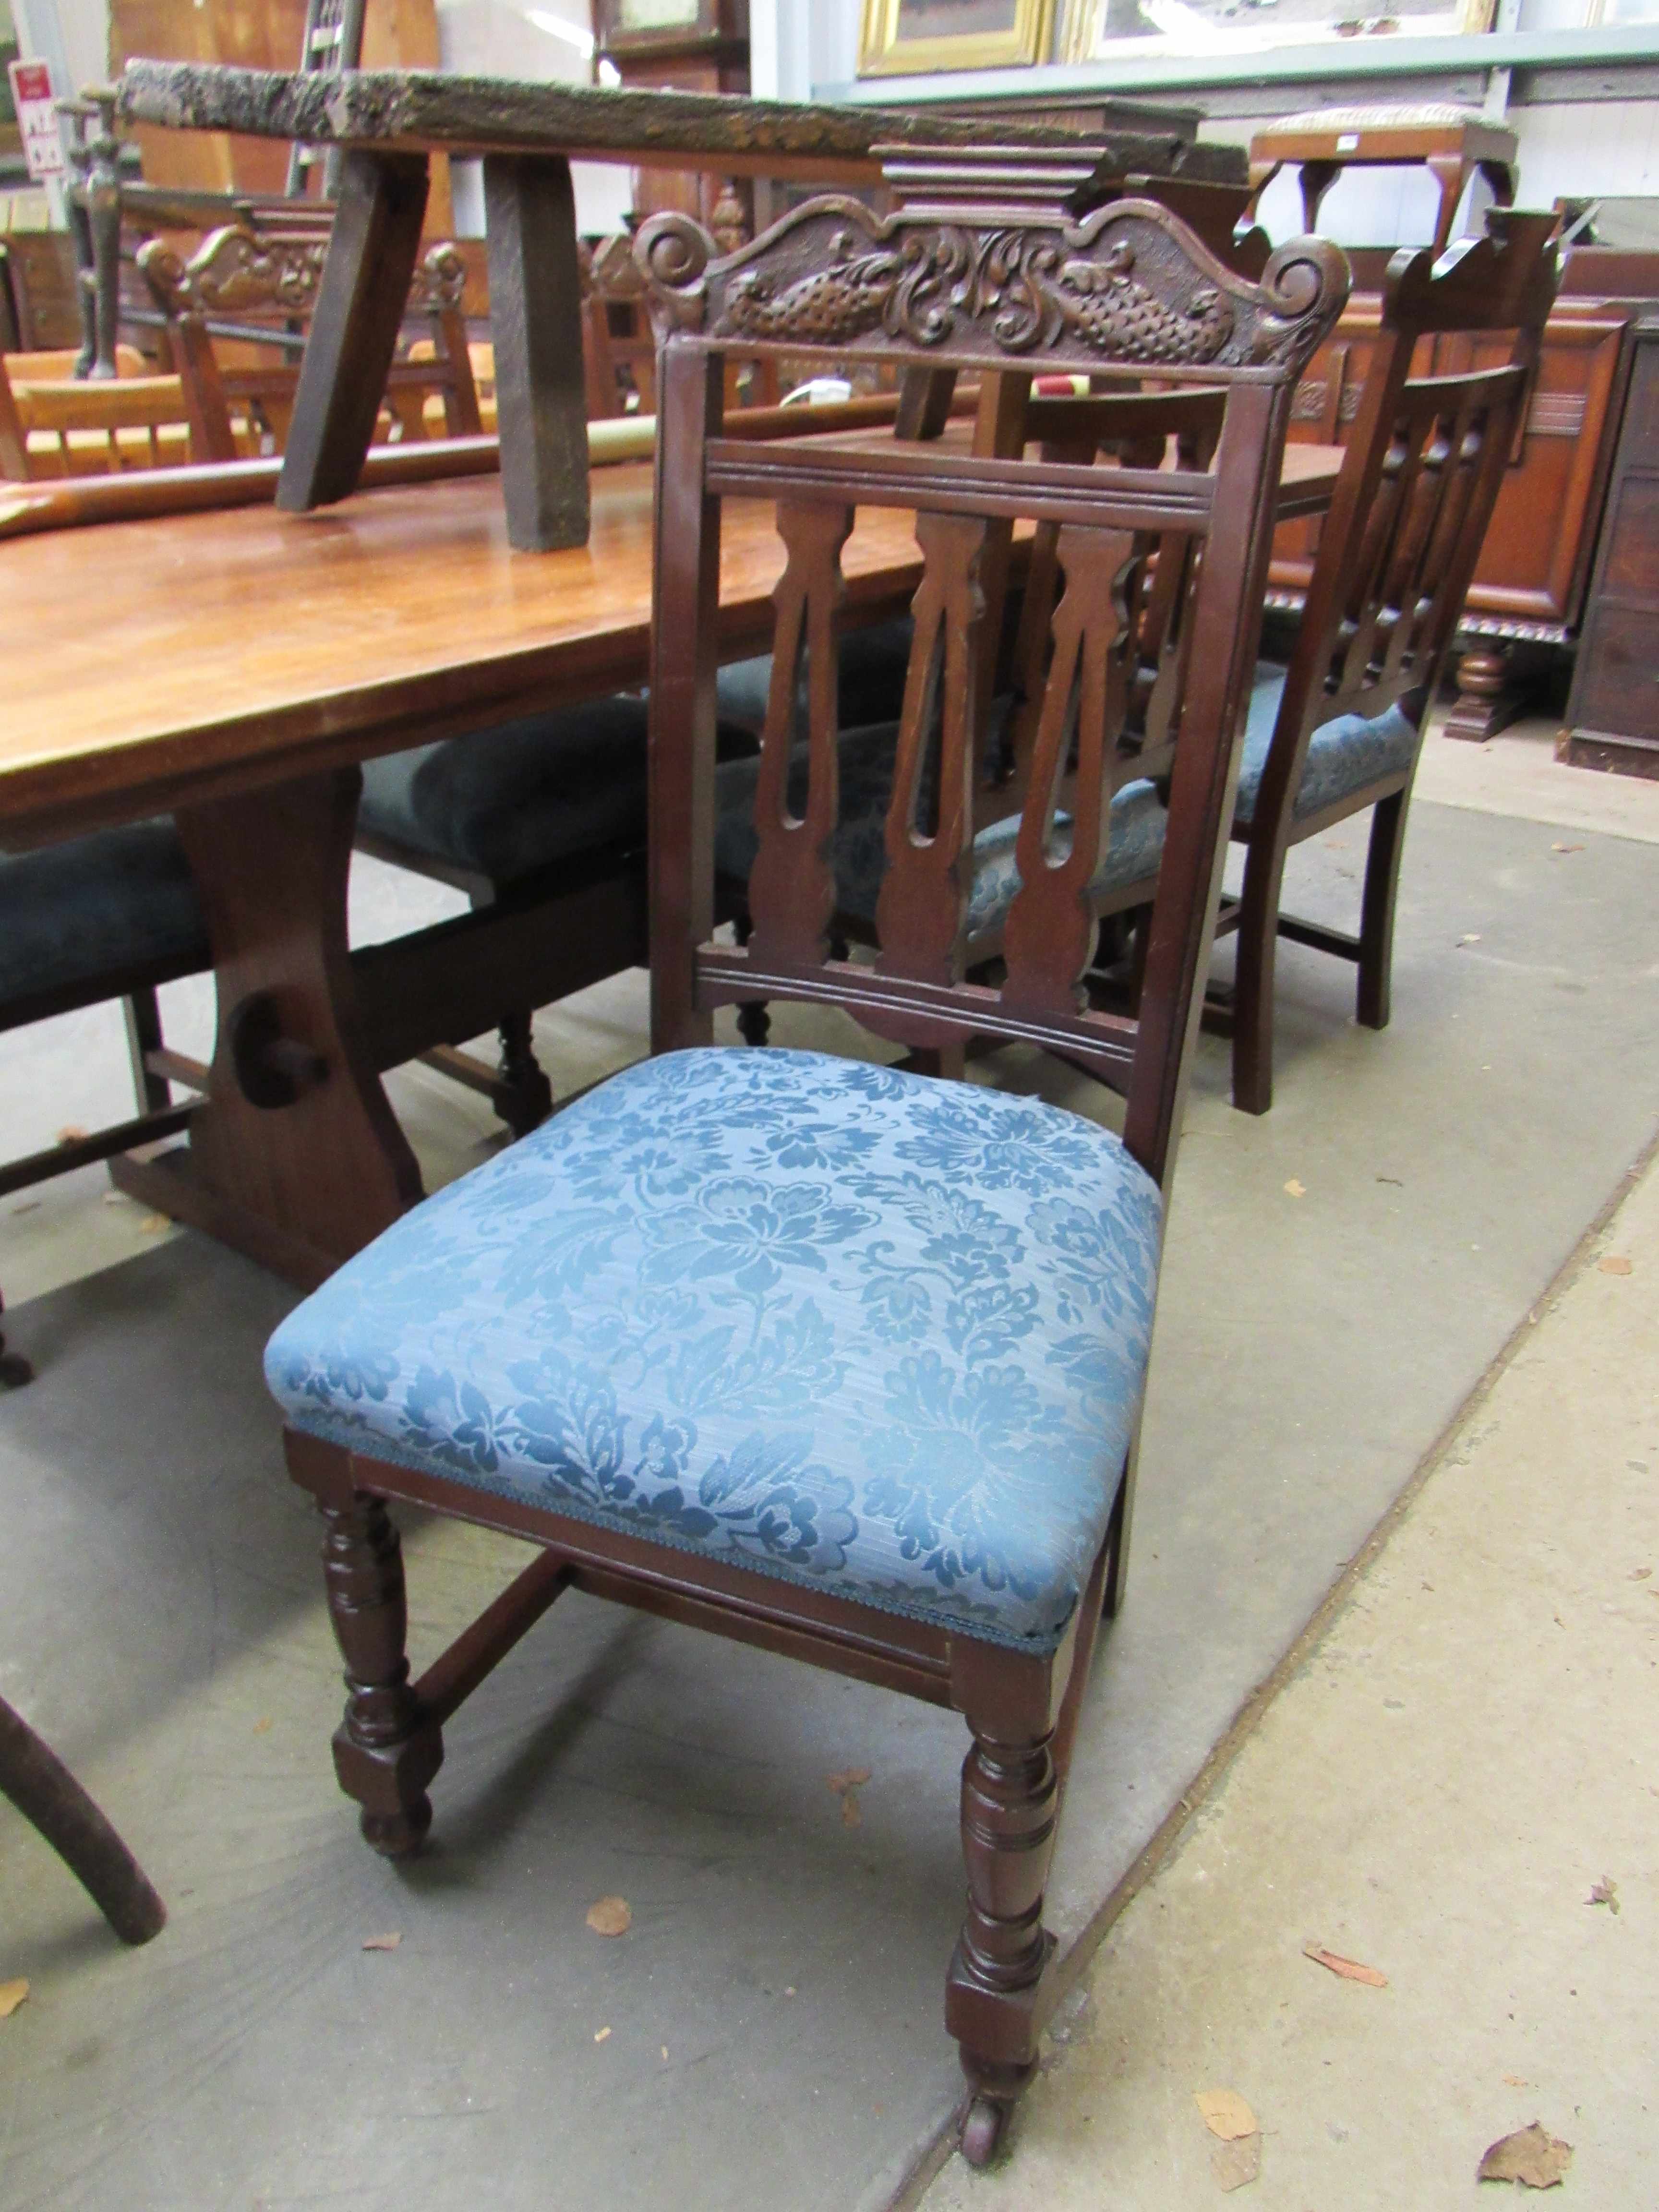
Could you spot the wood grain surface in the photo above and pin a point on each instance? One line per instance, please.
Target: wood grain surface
(418, 108)
(190, 656)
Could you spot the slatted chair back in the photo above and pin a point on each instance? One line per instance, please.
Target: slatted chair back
(1421, 473)
(247, 276)
(65, 428)
(1126, 291)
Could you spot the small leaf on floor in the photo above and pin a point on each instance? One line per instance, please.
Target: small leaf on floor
(602, 2035)
(1473, 938)
(383, 1942)
(1615, 1263)
(611, 1916)
(1235, 2163)
(29, 1206)
(1640, 1574)
(1225, 2113)
(262, 1726)
(855, 1778)
(1531, 2156)
(1351, 1970)
(1516, 2081)
(12, 1994)
(1566, 848)
(1605, 1891)
(1295, 1189)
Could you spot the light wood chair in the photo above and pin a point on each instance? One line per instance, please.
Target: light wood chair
(823, 1357)
(62, 428)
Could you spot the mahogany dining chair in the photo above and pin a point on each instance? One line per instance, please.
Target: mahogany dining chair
(823, 1356)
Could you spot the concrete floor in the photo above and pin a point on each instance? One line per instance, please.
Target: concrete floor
(1464, 1751)
(165, 1626)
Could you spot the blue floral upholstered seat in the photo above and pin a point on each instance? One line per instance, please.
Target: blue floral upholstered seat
(1343, 755)
(856, 1329)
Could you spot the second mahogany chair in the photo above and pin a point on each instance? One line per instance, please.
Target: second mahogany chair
(818, 1355)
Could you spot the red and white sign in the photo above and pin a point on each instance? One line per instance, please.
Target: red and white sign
(37, 118)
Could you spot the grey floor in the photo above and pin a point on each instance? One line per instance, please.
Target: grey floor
(773, 2013)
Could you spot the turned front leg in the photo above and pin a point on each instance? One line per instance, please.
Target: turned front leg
(384, 1751)
(993, 1997)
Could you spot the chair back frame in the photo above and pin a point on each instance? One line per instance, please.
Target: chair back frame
(237, 273)
(1421, 472)
(1128, 290)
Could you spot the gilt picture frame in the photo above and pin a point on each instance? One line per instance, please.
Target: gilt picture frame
(916, 37)
(1204, 30)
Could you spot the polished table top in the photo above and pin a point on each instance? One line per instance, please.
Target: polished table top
(149, 663)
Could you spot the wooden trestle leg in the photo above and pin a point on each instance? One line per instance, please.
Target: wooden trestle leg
(296, 1158)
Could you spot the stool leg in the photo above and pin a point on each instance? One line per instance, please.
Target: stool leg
(46, 1793)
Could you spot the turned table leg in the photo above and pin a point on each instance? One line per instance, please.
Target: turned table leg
(296, 1158)
(1488, 700)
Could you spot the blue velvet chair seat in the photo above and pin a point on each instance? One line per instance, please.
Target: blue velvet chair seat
(508, 802)
(871, 669)
(868, 1333)
(866, 780)
(73, 915)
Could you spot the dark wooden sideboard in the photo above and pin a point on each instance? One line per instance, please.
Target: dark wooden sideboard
(1613, 713)
(1530, 591)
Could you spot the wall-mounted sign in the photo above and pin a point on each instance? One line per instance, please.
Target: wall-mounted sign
(37, 118)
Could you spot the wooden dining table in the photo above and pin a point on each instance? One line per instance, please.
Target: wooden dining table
(235, 667)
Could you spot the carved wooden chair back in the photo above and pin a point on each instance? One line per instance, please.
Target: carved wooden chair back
(1421, 472)
(1129, 289)
(64, 428)
(235, 273)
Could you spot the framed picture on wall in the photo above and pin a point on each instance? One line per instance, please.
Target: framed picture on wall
(1125, 30)
(912, 38)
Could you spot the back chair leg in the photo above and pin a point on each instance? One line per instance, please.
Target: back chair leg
(1253, 988)
(143, 1013)
(385, 1750)
(525, 1097)
(14, 1370)
(1010, 1809)
(1377, 911)
(754, 1022)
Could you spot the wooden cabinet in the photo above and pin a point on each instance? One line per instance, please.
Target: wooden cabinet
(260, 34)
(1613, 714)
(1530, 586)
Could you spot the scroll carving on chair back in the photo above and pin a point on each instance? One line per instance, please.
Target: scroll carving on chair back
(1125, 666)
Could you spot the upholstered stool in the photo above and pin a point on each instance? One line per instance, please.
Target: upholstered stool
(1452, 142)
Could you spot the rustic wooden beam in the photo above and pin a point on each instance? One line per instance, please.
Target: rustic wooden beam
(421, 108)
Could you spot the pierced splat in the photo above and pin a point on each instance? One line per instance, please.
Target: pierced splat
(923, 904)
(792, 885)
(1081, 712)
